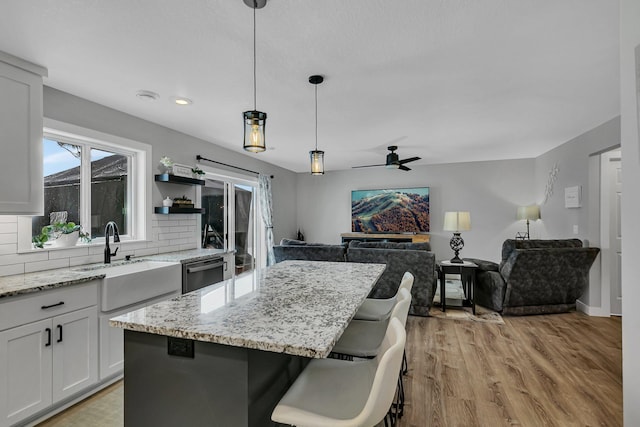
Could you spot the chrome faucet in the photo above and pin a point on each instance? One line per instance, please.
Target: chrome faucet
(113, 228)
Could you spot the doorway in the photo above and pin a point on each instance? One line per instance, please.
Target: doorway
(230, 221)
(610, 228)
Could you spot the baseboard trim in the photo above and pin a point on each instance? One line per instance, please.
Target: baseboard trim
(591, 311)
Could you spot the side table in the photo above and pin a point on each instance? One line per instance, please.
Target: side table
(467, 272)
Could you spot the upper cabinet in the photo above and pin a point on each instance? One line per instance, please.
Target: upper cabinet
(22, 191)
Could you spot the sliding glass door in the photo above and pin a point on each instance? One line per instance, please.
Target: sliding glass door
(230, 220)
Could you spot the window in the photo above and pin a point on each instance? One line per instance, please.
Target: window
(90, 182)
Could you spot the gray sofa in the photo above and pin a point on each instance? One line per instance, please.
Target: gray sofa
(535, 276)
(399, 258)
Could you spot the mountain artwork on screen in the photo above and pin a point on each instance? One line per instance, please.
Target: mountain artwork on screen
(398, 210)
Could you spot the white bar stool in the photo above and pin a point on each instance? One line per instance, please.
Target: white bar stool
(379, 309)
(337, 393)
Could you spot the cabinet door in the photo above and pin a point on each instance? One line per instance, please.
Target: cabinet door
(25, 369)
(111, 347)
(21, 142)
(75, 352)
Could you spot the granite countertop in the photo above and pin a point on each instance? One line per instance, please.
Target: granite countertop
(19, 284)
(42, 280)
(294, 307)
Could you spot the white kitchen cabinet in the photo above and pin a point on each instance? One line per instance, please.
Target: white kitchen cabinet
(49, 359)
(21, 136)
(26, 363)
(75, 352)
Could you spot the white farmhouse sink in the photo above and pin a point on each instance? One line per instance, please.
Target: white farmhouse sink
(136, 282)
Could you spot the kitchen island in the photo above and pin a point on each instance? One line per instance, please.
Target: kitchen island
(225, 354)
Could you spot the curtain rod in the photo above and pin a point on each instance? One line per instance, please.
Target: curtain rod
(199, 158)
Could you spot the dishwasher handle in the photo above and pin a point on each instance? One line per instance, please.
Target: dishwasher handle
(205, 267)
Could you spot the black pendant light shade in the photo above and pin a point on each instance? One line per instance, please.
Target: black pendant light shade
(316, 156)
(254, 120)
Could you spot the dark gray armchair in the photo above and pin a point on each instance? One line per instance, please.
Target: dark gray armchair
(535, 276)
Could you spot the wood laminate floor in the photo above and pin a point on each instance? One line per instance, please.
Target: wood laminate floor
(553, 370)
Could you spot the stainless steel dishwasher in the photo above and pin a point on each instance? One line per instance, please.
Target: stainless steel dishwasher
(199, 274)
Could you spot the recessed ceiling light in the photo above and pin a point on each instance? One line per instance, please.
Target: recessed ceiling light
(147, 95)
(179, 100)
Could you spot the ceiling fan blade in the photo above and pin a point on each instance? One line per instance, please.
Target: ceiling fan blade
(404, 168)
(410, 159)
(367, 166)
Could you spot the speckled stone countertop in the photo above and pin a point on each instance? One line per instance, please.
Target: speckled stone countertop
(39, 281)
(294, 307)
(189, 255)
(19, 284)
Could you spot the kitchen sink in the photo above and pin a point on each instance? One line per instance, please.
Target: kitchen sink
(135, 282)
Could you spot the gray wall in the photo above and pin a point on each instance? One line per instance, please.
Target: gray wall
(572, 160)
(491, 191)
(179, 147)
(629, 109)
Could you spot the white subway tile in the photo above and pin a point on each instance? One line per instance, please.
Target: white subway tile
(22, 258)
(83, 260)
(10, 248)
(68, 253)
(8, 270)
(8, 238)
(8, 227)
(46, 265)
(8, 218)
(146, 252)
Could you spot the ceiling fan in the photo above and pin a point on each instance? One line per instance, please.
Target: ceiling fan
(393, 161)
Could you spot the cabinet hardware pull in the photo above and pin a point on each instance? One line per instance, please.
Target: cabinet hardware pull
(59, 333)
(225, 266)
(48, 343)
(204, 267)
(44, 307)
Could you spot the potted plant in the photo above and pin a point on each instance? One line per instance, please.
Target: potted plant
(197, 172)
(61, 234)
(167, 164)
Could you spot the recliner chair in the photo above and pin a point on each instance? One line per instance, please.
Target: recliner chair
(535, 276)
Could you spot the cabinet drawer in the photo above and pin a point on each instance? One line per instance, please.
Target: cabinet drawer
(19, 310)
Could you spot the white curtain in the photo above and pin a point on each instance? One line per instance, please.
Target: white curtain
(266, 207)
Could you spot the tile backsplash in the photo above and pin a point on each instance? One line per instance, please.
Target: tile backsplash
(168, 233)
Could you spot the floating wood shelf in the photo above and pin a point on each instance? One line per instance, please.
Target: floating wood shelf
(165, 177)
(166, 210)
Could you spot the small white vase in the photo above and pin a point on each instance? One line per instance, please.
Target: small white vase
(167, 203)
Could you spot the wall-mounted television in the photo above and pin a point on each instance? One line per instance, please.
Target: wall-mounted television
(395, 210)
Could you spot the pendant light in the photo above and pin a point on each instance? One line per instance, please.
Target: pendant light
(254, 120)
(317, 156)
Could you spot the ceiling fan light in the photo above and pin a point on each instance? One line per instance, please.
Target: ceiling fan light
(392, 166)
(317, 162)
(254, 123)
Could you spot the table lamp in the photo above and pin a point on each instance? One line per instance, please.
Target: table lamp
(457, 222)
(530, 213)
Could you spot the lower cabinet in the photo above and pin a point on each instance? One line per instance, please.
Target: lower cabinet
(46, 361)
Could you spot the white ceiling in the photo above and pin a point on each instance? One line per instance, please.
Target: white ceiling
(446, 80)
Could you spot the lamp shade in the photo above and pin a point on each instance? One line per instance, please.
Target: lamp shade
(531, 212)
(457, 221)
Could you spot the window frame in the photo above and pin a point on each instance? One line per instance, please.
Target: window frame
(138, 198)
